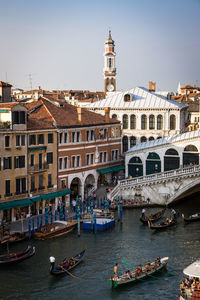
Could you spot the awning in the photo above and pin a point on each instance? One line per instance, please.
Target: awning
(37, 149)
(111, 169)
(15, 203)
(36, 198)
(55, 194)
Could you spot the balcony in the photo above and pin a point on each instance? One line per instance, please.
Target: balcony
(38, 168)
(5, 125)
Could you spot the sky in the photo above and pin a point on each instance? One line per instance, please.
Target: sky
(60, 44)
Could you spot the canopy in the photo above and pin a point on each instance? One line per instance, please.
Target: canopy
(15, 203)
(111, 169)
(193, 270)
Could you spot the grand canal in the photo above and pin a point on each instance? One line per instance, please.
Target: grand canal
(131, 242)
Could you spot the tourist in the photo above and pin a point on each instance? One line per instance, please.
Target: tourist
(148, 267)
(138, 271)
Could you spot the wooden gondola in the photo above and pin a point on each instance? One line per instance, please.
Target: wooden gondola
(58, 228)
(165, 224)
(192, 218)
(153, 218)
(124, 280)
(67, 264)
(12, 258)
(14, 238)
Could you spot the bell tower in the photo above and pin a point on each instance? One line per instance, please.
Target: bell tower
(109, 65)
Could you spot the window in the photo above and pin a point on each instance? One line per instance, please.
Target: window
(125, 122)
(50, 138)
(92, 159)
(159, 122)
(32, 139)
(78, 136)
(78, 160)
(112, 132)
(114, 116)
(20, 186)
(73, 137)
(33, 183)
(151, 122)
(132, 141)
(125, 143)
(7, 163)
(60, 163)
(7, 141)
(49, 158)
(105, 156)
(65, 162)
(19, 162)
(32, 160)
(143, 139)
(144, 122)
(60, 138)
(101, 157)
(0, 163)
(172, 122)
(87, 135)
(92, 135)
(65, 137)
(115, 154)
(20, 140)
(49, 181)
(7, 188)
(63, 183)
(109, 62)
(133, 122)
(18, 117)
(87, 159)
(105, 133)
(40, 139)
(127, 98)
(41, 182)
(73, 162)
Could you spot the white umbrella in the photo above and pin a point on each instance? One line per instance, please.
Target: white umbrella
(193, 270)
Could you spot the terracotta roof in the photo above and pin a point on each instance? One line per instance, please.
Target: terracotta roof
(5, 84)
(44, 114)
(8, 104)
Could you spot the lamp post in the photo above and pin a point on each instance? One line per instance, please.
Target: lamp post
(156, 168)
(137, 171)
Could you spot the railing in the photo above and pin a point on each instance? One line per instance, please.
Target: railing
(39, 167)
(160, 176)
(114, 191)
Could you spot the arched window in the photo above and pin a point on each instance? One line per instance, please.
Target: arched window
(151, 138)
(159, 122)
(125, 122)
(133, 122)
(114, 117)
(144, 122)
(159, 137)
(127, 98)
(191, 148)
(171, 151)
(132, 141)
(143, 139)
(125, 143)
(151, 122)
(172, 122)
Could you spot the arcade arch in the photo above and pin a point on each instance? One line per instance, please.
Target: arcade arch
(153, 163)
(190, 155)
(171, 160)
(135, 167)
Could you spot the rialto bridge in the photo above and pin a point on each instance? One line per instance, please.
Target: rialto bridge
(165, 170)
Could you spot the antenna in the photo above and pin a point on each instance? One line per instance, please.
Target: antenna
(30, 81)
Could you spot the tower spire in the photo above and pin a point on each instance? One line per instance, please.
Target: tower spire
(109, 65)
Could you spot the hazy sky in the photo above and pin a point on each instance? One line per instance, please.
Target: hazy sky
(61, 43)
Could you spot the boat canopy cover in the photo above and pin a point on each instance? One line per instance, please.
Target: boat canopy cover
(193, 270)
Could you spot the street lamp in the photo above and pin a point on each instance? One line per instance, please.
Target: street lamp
(137, 171)
(156, 167)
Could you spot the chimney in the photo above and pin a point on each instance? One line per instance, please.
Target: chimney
(79, 112)
(152, 86)
(107, 114)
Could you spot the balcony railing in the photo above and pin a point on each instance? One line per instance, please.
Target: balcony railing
(38, 168)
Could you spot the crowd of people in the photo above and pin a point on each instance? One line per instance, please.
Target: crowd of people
(190, 285)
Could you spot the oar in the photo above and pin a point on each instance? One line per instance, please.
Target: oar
(67, 272)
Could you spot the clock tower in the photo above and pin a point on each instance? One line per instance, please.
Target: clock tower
(109, 65)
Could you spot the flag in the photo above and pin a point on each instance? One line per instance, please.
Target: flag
(187, 123)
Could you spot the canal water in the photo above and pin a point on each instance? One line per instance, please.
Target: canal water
(131, 242)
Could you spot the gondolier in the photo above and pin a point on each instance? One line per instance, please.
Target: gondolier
(174, 213)
(143, 213)
(52, 261)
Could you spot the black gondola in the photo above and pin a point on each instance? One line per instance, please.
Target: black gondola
(192, 218)
(153, 218)
(165, 224)
(12, 258)
(67, 264)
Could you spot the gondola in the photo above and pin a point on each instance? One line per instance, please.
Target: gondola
(124, 280)
(153, 218)
(67, 264)
(192, 218)
(12, 258)
(14, 238)
(165, 224)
